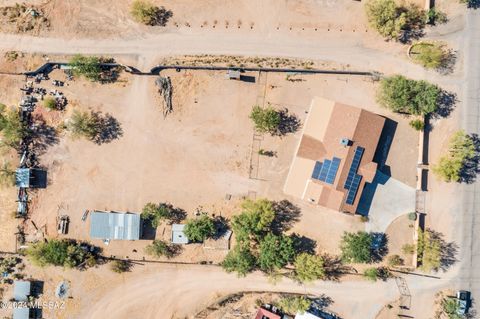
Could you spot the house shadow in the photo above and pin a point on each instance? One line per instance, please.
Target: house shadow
(39, 178)
(148, 231)
(383, 173)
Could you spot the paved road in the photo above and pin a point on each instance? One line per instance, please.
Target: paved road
(469, 277)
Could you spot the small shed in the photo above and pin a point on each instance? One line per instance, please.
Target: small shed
(21, 313)
(178, 236)
(113, 225)
(233, 74)
(30, 178)
(21, 290)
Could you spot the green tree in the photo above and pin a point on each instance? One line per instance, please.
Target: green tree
(50, 103)
(384, 16)
(11, 127)
(84, 124)
(254, 221)
(403, 95)
(265, 120)
(461, 150)
(309, 267)
(275, 252)
(356, 247)
(293, 305)
(199, 229)
(429, 251)
(120, 266)
(240, 260)
(87, 66)
(155, 213)
(55, 252)
(146, 13)
(159, 248)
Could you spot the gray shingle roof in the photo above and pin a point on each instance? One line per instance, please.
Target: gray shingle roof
(124, 226)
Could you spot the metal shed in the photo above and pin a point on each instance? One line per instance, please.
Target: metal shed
(21, 290)
(23, 177)
(233, 75)
(178, 236)
(113, 225)
(21, 313)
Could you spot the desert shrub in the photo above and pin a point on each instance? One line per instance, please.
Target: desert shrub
(265, 120)
(356, 247)
(84, 124)
(403, 95)
(429, 55)
(461, 150)
(417, 124)
(50, 103)
(146, 13)
(120, 266)
(293, 305)
(199, 229)
(450, 307)
(408, 249)
(7, 175)
(371, 274)
(428, 251)
(159, 248)
(309, 267)
(394, 261)
(435, 16)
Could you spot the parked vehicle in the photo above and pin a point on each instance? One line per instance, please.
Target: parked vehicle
(463, 301)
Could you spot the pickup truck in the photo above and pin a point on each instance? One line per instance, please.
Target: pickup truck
(463, 301)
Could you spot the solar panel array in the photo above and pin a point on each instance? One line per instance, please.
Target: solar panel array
(353, 179)
(326, 171)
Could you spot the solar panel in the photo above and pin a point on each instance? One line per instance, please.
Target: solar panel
(354, 166)
(325, 168)
(316, 170)
(353, 189)
(332, 172)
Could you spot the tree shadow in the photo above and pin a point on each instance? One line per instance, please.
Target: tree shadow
(335, 268)
(303, 244)
(42, 135)
(174, 250)
(176, 214)
(321, 302)
(445, 104)
(473, 4)
(448, 250)
(148, 231)
(161, 16)
(107, 128)
(470, 168)
(221, 226)
(448, 64)
(289, 123)
(286, 214)
(379, 247)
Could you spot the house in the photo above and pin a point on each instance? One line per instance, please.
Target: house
(178, 236)
(334, 158)
(315, 314)
(233, 75)
(113, 225)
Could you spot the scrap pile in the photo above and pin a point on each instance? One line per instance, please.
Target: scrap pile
(165, 89)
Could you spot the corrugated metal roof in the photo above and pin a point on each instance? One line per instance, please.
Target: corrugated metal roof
(123, 226)
(21, 290)
(22, 177)
(178, 236)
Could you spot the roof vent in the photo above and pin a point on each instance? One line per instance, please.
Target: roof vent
(345, 141)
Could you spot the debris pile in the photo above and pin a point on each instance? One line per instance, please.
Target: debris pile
(165, 89)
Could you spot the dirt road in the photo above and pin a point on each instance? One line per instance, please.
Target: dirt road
(178, 292)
